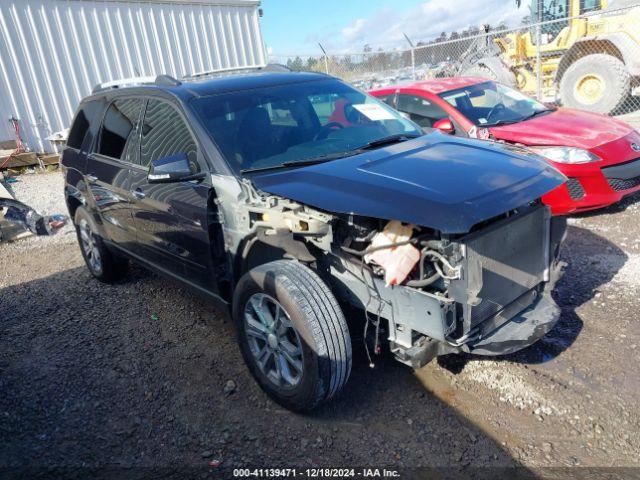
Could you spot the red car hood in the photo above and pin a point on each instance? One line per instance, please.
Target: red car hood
(572, 128)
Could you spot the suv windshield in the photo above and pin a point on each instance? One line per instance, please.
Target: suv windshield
(489, 104)
(303, 122)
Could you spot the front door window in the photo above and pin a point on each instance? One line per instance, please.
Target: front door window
(422, 111)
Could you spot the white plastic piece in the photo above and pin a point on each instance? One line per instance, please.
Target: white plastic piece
(397, 262)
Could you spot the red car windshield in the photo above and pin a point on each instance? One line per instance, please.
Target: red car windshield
(490, 104)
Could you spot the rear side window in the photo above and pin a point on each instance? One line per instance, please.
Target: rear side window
(165, 134)
(118, 135)
(86, 118)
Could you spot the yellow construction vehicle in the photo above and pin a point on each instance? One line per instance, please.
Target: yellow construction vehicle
(586, 51)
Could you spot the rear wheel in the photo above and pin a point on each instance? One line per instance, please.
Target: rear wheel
(101, 262)
(598, 83)
(292, 334)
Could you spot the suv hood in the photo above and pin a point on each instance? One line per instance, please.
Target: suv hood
(435, 181)
(572, 128)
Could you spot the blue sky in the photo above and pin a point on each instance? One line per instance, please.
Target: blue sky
(296, 26)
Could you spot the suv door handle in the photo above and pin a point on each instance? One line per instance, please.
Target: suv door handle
(91, 178)
(138, 193)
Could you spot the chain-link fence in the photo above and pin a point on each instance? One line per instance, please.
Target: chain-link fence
(590, 60)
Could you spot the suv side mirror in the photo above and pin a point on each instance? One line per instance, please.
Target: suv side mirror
(174, 168)
(445, 126)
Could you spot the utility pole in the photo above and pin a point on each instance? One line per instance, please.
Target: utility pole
(326, 61)
(413, 56)
(538, 45)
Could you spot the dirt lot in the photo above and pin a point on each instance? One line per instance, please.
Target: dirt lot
(145, 374)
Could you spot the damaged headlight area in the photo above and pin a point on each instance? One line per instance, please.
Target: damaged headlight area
(432, 294)
(426, 293)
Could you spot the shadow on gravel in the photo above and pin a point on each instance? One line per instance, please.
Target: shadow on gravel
(592, 261)
(145, 374)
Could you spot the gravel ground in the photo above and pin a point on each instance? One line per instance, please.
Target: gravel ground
(145, 374)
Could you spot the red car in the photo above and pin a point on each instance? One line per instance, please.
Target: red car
(600, 155)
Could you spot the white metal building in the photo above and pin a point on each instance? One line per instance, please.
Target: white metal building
(53, 52)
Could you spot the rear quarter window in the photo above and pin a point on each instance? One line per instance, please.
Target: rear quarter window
(85, 123)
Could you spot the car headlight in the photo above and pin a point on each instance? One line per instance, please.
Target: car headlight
(569, 155)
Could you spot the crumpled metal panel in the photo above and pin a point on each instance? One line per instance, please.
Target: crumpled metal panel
(435, 181)
(53, 52)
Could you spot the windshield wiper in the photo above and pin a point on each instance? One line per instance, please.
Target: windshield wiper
(304, 162)
(334, 156)
(511, 122)
(400, 137)
(500, 122)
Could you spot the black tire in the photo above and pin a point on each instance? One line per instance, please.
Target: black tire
(319, 324)
(505, 77)
(110, 268)
(608, 71)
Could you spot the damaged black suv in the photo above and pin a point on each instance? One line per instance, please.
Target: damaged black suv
(292, 197)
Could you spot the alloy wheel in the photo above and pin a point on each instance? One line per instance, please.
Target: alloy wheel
(273, 341)
(90, 247)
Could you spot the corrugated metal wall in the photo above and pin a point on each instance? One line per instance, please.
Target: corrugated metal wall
(53, 52)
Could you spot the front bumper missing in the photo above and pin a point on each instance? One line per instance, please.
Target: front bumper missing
(512, 335)
(521, 331)
(500, 305)
(518, 326)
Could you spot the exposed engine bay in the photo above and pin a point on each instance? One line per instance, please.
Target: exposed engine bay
(429, 294)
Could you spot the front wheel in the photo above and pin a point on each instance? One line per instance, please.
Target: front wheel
(292, 334)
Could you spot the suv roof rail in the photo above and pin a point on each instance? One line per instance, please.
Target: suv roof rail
(270, 67)
(160, 80)
(169, 81)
